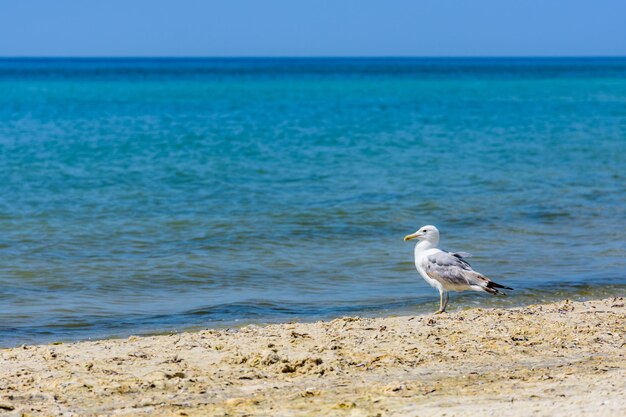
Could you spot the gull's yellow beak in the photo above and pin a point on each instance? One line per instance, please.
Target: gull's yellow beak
(411, 236)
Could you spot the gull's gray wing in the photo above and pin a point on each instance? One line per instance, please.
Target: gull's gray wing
(451, 270)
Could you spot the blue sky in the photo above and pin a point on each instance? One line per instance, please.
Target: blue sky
(312, 27)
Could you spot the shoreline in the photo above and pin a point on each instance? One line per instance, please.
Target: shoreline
(564, 358)
(422, 306)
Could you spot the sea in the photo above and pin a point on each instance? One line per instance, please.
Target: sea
(158, 195)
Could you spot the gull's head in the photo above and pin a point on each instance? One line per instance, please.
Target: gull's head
(428, 233)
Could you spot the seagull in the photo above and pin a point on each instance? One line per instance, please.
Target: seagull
(447, 271)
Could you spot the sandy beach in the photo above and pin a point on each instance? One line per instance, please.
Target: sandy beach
(565, 358)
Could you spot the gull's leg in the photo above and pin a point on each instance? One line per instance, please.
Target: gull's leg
(441, 306)
(445, 301)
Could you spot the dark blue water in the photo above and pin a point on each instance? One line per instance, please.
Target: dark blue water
(163, 194)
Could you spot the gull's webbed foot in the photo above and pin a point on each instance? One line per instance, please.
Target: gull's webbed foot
(440, 311)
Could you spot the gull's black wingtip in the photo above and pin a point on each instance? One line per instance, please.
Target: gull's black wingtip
(492, 284)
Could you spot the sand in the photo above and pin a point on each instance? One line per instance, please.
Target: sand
(562, 359)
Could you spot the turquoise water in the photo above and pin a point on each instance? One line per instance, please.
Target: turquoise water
(142, 196)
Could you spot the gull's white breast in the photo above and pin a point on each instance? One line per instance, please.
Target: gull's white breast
(420, 256)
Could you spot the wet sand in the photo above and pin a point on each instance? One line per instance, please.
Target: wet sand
(561, 359)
